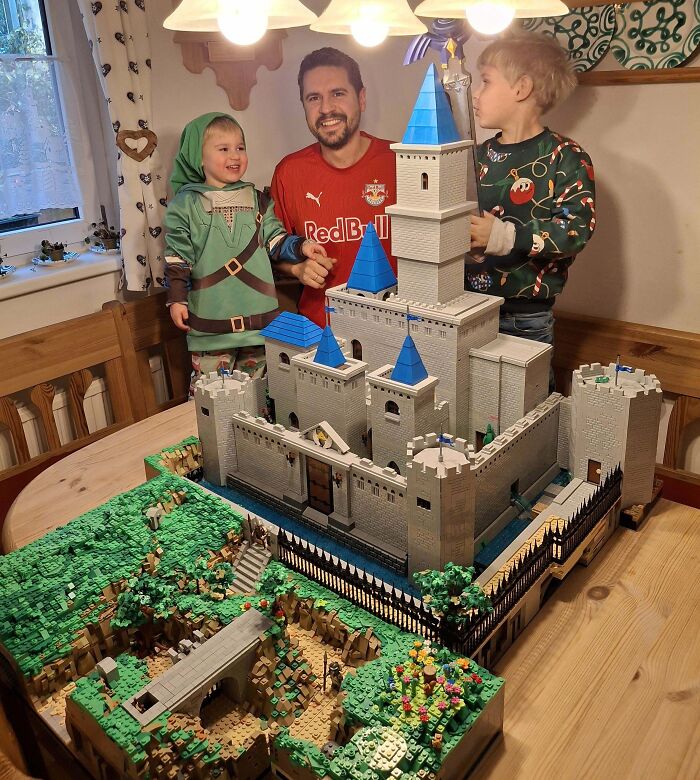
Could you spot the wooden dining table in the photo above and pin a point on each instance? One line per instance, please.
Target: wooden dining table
(603, 683)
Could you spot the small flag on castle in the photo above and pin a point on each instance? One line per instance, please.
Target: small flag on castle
(443, 439)
(224, 372)
(619, 367)
(329, 310)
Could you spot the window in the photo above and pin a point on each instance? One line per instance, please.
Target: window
(284, 358)
(54, 173)
(424, 181)
(205, 411)
(356, 350)
(391, 407)
(422, 503)
(393, 465)
(391, 497)
(375, 490)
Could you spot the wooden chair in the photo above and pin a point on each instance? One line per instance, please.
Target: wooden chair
(68, 351)
(144, 327)
(673, 355)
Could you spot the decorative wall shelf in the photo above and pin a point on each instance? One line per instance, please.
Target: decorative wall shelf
(598, 78)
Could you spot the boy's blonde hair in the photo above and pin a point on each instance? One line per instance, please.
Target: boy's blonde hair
(537, 56)
(223, 123)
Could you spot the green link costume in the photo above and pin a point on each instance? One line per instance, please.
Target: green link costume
(223, 273)
(544, 187)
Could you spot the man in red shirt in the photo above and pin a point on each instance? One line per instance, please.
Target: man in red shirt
(330, 190)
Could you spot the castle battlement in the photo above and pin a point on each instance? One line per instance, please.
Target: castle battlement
(364, 466)
(213, 385)
(629, 384)
(424, 453)
(487, 454)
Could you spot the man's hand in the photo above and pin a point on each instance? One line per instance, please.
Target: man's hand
(481, 229)
(179, 314)
(313, 272)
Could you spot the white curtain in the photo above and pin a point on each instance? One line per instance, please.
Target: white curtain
(118, 35)
(35, 165)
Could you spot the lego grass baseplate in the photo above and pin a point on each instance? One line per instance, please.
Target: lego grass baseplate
(135, 622)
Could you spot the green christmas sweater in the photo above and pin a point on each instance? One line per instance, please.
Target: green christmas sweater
(544, 187)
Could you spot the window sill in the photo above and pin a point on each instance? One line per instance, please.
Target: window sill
(29, 278)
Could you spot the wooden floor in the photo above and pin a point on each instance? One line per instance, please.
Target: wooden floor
(605, 683)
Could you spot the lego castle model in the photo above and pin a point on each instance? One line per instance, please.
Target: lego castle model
(409, 425)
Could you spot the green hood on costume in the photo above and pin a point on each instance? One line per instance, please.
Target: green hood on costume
(187, 166)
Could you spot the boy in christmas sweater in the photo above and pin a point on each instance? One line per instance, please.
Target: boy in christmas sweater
(221, 235)
(537, 187)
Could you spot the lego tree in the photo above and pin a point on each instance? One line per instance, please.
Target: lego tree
(145, 599)
(451, 593)
(220, 577)
(275, 583)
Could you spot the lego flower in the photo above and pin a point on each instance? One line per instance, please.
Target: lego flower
(422, 710)
(440, 680)
(399, 669)
(455, 701)
(406, 679)
(407, 707)
(412, 653)
(424, 717)
(477, 679)
(264, 603)
(463, 663)
(405, 699)
(441, 705)
(418, 644)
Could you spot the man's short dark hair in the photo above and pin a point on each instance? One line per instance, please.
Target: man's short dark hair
(330, 57)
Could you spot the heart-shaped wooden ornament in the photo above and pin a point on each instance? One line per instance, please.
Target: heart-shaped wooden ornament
(124, 136)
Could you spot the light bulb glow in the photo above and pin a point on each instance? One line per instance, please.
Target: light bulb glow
(369, 29)
(241, 21)
(490, 16)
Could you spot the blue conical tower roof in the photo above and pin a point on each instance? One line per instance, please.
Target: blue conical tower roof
(371, 271)
(431, 122)
(409, 368)
(328, 352)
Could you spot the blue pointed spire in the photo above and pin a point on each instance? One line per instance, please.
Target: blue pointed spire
(371, 271)
(328, 352)
(431, 122)
(409, 368)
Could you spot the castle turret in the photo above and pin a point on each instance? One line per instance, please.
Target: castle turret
(441, 494)
(371, 276)
(404, 405)
(615, 420)
(430, 221)
(217, 399)
(331, 387)
(286, 336)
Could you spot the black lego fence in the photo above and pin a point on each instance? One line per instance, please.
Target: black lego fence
(409, 614)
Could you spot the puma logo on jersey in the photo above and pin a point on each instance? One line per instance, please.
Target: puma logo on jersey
(317, 198)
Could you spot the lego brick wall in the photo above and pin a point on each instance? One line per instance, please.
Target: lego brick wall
(373, 511)
(484, 380)
(523, 452)
(262, 457)
(564, 432)
(427, 238)
(512, 399)
(640, 450)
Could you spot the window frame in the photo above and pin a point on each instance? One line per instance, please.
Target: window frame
(87, 151)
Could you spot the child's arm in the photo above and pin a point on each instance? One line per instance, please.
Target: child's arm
(178, 247)
(308, 260)
(561, 223)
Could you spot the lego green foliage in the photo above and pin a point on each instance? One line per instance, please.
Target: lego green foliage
(451, 592)
(146, 597)
(303, 753)
(54, 587)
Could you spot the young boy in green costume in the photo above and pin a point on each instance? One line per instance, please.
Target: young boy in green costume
(537, 187)
(221, 234)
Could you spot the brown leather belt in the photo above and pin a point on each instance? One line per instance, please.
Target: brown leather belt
(234, 267)
(237, 324)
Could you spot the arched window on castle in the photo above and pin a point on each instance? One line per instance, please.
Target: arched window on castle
(424, 181)
(284, 358)
(391, 407)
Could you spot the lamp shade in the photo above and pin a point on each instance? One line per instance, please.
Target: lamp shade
(202, 15)
(393, 16)
(524, 9)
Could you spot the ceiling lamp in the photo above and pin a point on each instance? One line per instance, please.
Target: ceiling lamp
(369, 21)
(241, 21)
(491, 16)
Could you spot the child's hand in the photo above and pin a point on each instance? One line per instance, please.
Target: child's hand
(313, 272)
(481, 229)
(179, 314)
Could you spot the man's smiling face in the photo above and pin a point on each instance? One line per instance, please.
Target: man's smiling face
(332, 106)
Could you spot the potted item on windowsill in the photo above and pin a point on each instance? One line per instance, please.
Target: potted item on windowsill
(106, 235)
(54, 252)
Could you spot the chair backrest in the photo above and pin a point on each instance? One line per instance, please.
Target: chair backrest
(63, 356)
(145, 325)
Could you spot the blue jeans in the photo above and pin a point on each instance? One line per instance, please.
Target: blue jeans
(536, 326)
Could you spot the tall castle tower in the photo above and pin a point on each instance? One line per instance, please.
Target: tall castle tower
(404, 405)
(430, 235)
(430, 221)
(331, 387)
(217, 399)
(615, 419)
(441, 503)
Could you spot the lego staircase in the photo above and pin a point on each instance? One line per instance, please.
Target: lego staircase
(249, 565)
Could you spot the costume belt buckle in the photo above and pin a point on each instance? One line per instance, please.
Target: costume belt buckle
(233, 266)
(237, 324)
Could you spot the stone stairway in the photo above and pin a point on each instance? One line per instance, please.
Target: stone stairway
(249, 565)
